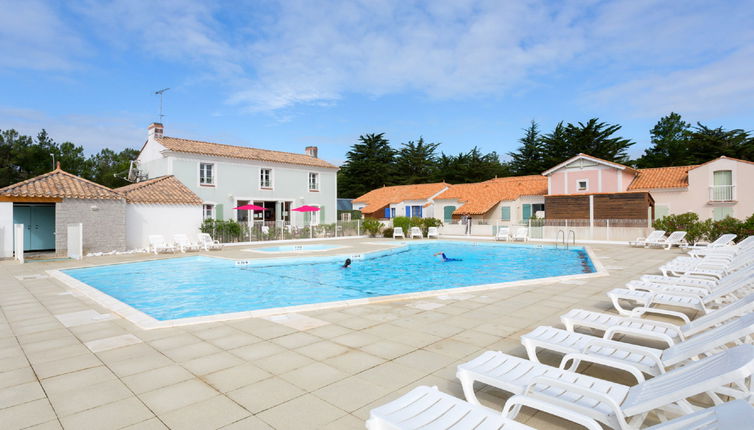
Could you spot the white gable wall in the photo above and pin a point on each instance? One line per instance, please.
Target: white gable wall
(143, 220)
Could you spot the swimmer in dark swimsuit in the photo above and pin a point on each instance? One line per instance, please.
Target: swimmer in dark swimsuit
(444, 258)
(347, 264)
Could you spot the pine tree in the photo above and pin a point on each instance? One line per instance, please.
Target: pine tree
(706, 143)
(670, 143)
(369, 164)
(529, 158)
(594, 138)
(416, 162)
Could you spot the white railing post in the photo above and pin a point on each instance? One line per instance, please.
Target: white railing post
(358, 227)
(607, 232)
(18, 245)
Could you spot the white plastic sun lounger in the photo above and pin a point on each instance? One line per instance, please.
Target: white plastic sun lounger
(398, 232)
(746, 243)
(651, 329)
(651, 361)
(433, 232)
(651, 237)
(727, 416)
(206, 242)
(430, 409)
(710, 266)
(724, 240)
(745, 275)
(522, 234)
(183, 244)
(615, 405)
(676, 238)
(416, 232)
(157, 244)
(503, 233)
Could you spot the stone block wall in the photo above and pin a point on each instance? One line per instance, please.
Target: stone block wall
(104, 224)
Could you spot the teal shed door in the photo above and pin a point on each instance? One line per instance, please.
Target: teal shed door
(39, 226)
(22, 215)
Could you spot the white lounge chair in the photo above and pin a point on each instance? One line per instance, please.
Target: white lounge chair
(416, 232)
(207, 243)
(651, 361)
(265, 230)
(731, 249)
(651, 237)
(433, 232)
(709, 283)
(659, 330)
(503, 233)
(398, 233)
(428, 408)
(676, 238)
(722, 241)
(715, 266)
(183, 244)
(158, 244)
(522, 234)
(727, 416)
(615, 405)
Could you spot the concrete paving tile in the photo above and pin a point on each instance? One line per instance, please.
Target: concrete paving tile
(272, 331)
(83, 398)
(49, 425)
(236, 377)
(314, 376)
(56, 354)
(189, 352)
(114, 342)
(212, 363)
(235, 340)
(44, 345)
(476, 338)
(174, 341)
(26, 415)
(208, 414)
(391, 375)
(134, 365)
(387, 349)
(247, 423)
(257, 350)
(354, 361)
(78, 379)
(265, 394)
(18, 394)
(351, 393)
(207, 333)
(16, 377)
(126, 352)
(14, 362)
(66, 365)
(118, 414)
(329, 331)
(150, 424)
(346, 422)
(157, 378)
(305, 411)
(177, 396)
(297, 321)
(89, 316)
(322, 350)
(295, 340)
(424, 360)
(452, 348)
(283, 362)
(356, 339)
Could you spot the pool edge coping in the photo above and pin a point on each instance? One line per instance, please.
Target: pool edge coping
(147, 322)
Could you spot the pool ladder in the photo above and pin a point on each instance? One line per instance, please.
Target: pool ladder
(566, 238)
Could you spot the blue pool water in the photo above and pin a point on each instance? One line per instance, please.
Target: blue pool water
(296, 248)
(198, 286)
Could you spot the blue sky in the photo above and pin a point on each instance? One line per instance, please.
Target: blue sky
(287, 74)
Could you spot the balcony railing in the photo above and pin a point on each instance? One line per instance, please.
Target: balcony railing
(721, 193)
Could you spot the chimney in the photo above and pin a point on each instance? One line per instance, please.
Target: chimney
(154, 131)
(311, 151)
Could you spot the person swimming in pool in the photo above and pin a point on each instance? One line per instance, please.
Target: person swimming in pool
(347, 264)
(445, 259)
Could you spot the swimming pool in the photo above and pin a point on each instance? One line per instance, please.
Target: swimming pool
(197, 286)
(296, 248)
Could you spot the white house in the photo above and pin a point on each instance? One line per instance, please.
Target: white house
(227, 176)
(400, 200)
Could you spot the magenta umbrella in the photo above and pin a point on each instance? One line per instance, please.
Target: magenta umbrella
(306, 208)
(251, 208)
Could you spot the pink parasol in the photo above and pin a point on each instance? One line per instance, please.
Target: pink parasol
(251, 208)
(306, 208)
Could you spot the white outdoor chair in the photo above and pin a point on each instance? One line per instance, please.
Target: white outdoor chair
(715, 266)
(658, 330)
(723, 241)
(428, 408)
(433, 232)
(522, 234)
(676, 238)
(183, 244)
(651, 361)
(158, 244)
(615, 405)
(398, 232)
(730, 249)
(729, 415)
(651, 237)
(207, 243)
(416, 232)
(503, 233)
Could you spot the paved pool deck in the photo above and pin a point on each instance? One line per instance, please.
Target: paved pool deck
(67, 362)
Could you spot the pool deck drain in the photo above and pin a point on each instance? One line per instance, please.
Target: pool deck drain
(320, 369)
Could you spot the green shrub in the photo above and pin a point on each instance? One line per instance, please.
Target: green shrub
(697, 231)
(430, 222)
(388, 233)
(372, 226)
(402, 222)
(225, 231)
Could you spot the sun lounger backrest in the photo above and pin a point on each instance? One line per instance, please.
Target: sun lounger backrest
(676, 236)
(723, 240)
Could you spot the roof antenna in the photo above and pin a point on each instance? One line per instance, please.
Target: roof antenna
(160, 92)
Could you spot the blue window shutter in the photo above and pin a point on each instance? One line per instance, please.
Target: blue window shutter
(387, 212)
(408, 211)
(506, 213)
(527, 211)
(421, 212)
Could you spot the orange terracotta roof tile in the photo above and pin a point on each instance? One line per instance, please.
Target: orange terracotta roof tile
(381, 197)
(59, 184)
(247, 153)
(661, 177)
(478, 198)
(161, 190)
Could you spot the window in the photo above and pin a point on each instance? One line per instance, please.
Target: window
(722, 186)
(206, 174)
(506, 213)
(208, 211)
(416, 211)
(582, 185)
(721, 212)
(313, 181)
(265, 178)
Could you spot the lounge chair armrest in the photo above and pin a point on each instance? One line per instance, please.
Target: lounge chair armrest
(578, 357)
(619, 329)
(647, 310)
(518, 400)
(591, 394)
(625, 347)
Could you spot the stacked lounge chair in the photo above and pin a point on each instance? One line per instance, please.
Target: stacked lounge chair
(711, 356)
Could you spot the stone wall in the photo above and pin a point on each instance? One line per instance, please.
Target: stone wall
(104, 223)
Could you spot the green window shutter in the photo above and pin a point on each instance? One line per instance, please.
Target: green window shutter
(448, 213)
(321, 214)
(721, 212)
(506, 213)
(527, 211)
(219, 212)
